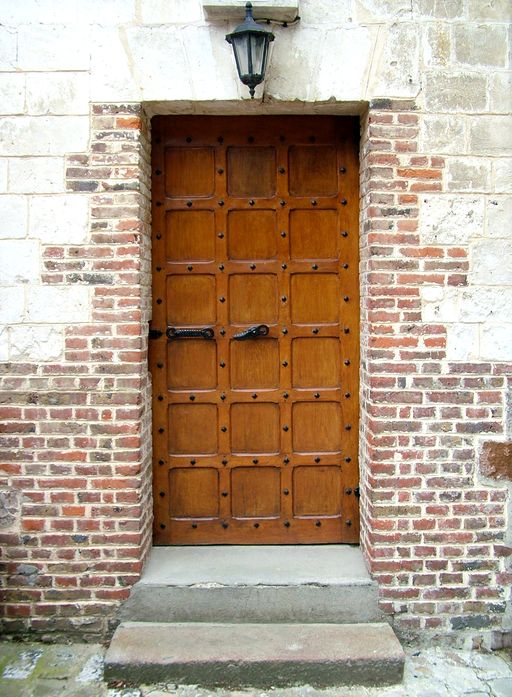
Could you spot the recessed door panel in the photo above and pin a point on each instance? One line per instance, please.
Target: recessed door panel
(315, 298)
(252, 234)
(316, 427)
(253, 298)
(255, 364)
(254, 342)
(192, 428)
(317, 490)
(191, 365)
(255, 428)
(251, 171)
(255, 492)
(190, 236)
(316, 362)
(191, 300)
(189, 172)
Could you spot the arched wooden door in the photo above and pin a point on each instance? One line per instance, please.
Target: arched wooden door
(255, 293)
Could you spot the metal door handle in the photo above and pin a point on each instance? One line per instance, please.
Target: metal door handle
(252, 332)
(173, 333)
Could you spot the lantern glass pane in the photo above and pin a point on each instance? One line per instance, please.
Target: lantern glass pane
(258, 53)
(241, 49)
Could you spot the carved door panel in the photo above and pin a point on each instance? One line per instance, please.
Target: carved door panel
(255, 239)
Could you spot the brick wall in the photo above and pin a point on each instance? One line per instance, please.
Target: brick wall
(76, 431)
(434, 533)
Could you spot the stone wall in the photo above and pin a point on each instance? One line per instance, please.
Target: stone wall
(79, 82)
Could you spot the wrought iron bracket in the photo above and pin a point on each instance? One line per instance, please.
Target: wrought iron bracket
(252, 332)
(155, 334)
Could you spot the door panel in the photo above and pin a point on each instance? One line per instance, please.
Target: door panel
(255, 222)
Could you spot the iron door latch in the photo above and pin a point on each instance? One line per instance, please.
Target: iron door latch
(252, 332)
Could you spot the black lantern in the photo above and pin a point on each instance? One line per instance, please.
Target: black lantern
(250, 44)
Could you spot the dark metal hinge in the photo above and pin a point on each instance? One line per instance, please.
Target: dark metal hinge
(155, 334)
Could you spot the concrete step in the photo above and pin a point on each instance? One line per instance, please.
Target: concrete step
(256, 655)
(327, 583)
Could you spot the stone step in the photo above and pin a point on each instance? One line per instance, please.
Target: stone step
(319, 584)
(256, 655)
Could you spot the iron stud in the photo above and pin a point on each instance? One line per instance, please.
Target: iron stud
(281, 170)
(252, 267)
(190, 268)
(254, 396)
(192, 462)
(161, 430)
(220, 140)
(223, 396)
(286, 428)
(285, 364)
(224, 429)
(221, 202)
(314, 267)
(284, 330)
(348, 427)
(256, 525)
(286, 523)
(317, 395)
(282, 202)
(225, 525)
(160, 365)
(286, 460)
(318, 524)
(161, 462)
(222, 299)
(343, 170)
(189, 204)
(286, 492)
(158, 236)
(160, 398)
(345, 266)
(224, 493)
(283, 233)
(220, 235)
(348, 459)
(348, 523)
(314, 202)
(188, 139)
(347, 395)
(284, 266)
(346, 361)
(286, 395)
(346, 298)
(224, 462)
(346, 330)
(220, 170)
(194, 525)
(344, 233)
(192, 397)
(158, 171)
(343, 201)
(255, 461)
(317, 459)
(315, 330)
(222, 364)
(159, 301)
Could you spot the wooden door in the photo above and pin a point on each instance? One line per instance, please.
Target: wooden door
(255, 227)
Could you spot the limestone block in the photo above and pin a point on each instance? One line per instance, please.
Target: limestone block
(502, 170)
(377, 10)
(500, 92)
(469, 174)
(176, 12)
(481, 44)
(36, 343)
(441, 9)
(12, 304)
(480, 304)
(59, 219)
(38, 175)
(496, 342)
(436, 45)
(499, 217)
(489, 9)
(440, 304)
(68, 12)
(58, 93)
(112, 75)
(491, 263)
(451, 219)
(456, 92)
(3, 173)
(44, 135)
(53, 47)
(61, 305)
(8, 48)
(214, 73)
(442, 134)
(4, 345)
(159, 63)
(280, 10)
(344, 63)
(293, 69)
(20, 261)
(490, 135)
(325, 12)
(462, 342)
(13, 216)
(12, 89)
(397, 63)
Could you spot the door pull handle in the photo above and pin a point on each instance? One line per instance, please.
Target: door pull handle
(252, 332)
(173, 333)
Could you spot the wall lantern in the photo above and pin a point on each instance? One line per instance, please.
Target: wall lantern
(250, 44)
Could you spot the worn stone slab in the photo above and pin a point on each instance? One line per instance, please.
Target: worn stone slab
(279, 10)
(259, 655)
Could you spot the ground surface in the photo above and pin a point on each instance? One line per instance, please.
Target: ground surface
(39, 670)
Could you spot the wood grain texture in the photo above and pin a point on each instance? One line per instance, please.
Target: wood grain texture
(255, 220)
